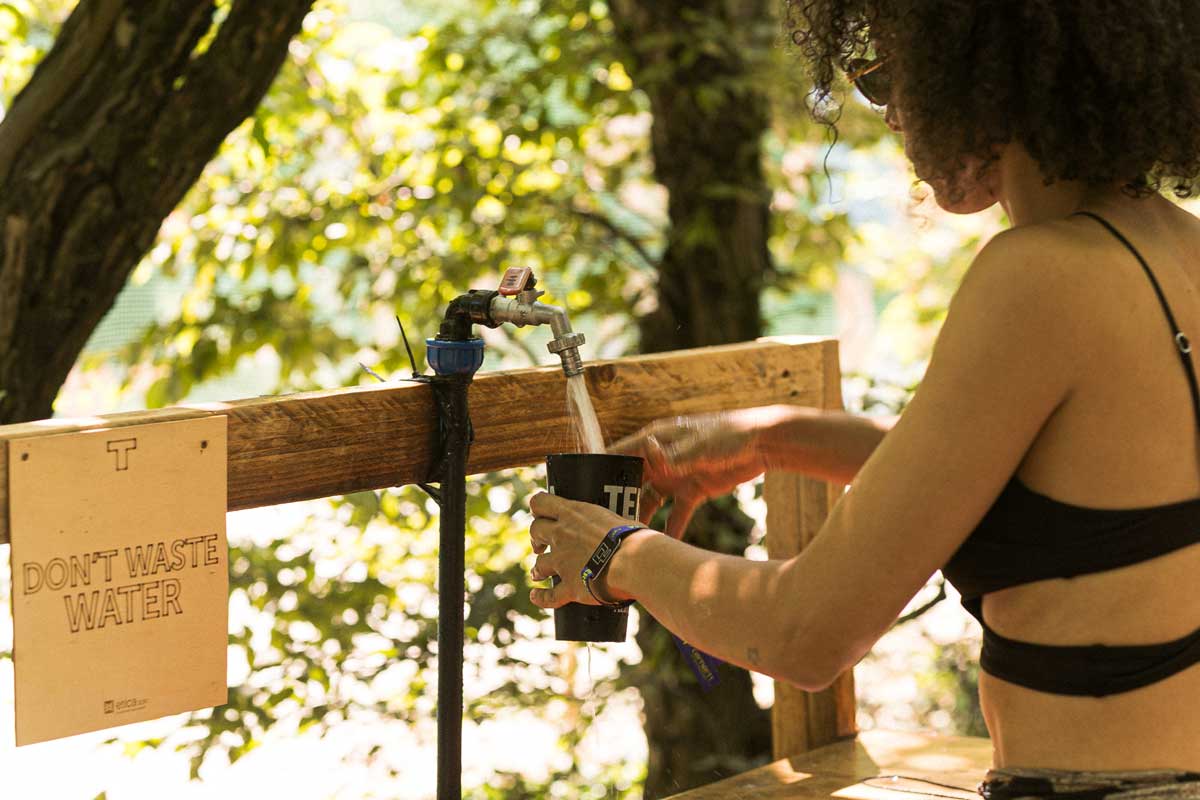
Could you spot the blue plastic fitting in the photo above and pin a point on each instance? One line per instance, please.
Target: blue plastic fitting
(448, 357)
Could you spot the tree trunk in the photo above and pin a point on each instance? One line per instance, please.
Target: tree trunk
(695, 60)
(114, 127)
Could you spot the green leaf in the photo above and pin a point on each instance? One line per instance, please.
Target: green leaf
(19, 26)
(366, 507)
(158, 395)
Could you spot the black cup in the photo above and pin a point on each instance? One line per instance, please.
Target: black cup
(614, 482)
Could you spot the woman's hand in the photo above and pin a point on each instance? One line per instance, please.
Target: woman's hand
(564, 534)
(693, 458)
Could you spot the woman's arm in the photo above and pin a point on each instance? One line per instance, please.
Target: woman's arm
(693, 458)
(725, 605)
(823, 443)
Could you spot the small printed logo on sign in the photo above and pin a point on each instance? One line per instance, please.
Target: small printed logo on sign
(125, 706)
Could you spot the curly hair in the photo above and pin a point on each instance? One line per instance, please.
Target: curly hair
(1100, 91)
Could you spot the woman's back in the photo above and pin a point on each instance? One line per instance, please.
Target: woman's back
(1126, 438)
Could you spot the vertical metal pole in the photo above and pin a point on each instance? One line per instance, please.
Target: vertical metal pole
(450, 393)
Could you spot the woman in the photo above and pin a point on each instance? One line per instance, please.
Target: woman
(1049, 462)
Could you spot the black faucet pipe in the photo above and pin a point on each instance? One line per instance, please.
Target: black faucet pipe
(474, 307)
(450, 393)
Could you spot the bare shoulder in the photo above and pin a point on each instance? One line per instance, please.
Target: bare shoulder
(1038, 287)
(1056, 256)
(1080, 252)
(1078, 281)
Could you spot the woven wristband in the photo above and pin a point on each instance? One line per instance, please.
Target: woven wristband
(601, 557)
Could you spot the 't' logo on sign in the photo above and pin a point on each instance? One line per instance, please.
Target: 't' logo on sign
(122, 447)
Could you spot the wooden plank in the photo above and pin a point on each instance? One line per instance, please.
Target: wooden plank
(840, 769)
(317, 444)
(801, 721)
(796, 509)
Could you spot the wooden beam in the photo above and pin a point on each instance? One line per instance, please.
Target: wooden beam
(796, 509)
(317, 444)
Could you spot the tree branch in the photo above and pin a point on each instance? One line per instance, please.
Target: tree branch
(909, 617)
(617, 231)
(76, 49)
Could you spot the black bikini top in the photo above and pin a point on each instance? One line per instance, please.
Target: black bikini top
(1026, 536)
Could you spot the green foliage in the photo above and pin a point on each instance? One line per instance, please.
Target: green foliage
(382, 176)
(952, 688)
(27, 31)
(339, 622)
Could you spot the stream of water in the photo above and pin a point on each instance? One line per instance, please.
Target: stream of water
(584, 423)
(579, 405)
(583, 420)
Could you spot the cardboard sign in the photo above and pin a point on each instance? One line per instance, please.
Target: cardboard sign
(120, 589)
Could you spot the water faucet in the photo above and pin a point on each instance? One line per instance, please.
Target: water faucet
(455, 354)
(514, 302)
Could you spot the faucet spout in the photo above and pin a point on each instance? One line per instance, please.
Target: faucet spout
(516, 302)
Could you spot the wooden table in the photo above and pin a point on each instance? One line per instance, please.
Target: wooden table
(838, 770)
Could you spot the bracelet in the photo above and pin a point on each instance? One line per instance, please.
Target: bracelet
(602, 556)
(602, 601)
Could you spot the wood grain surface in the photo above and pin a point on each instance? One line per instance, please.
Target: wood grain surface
(853, 769)
(317, 444)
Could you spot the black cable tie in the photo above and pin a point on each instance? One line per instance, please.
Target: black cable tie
(412, 361)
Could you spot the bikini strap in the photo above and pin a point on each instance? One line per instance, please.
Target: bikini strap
(1181, 341)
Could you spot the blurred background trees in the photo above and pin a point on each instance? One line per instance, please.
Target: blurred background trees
(117, 123)
(655, 164)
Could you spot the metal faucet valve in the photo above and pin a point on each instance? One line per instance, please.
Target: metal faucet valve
(520, 283)
(517, 280)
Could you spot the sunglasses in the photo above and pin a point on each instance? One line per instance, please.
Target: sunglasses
(872, 80)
